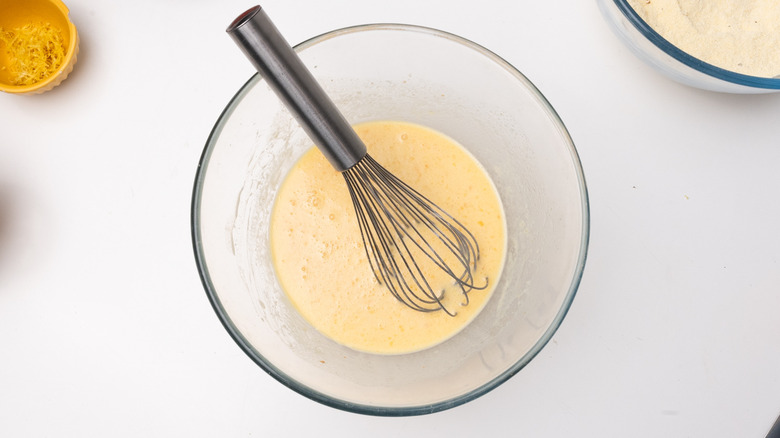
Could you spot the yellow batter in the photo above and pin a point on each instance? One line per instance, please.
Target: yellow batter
(319, 256)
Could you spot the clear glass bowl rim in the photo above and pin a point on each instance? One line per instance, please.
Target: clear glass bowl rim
(307, 391)
(691, 61)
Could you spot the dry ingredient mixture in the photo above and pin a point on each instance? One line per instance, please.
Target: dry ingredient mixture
(34, 51)
(737, 35)
(319, 257)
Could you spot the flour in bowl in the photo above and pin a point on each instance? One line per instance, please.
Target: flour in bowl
(737, 35)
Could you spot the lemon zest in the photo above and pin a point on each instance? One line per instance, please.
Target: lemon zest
(34, 50)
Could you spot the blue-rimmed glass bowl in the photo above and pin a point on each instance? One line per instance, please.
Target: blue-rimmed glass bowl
(678, 65)
(436, 79)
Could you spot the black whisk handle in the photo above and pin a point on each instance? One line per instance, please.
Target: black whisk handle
(284, 71)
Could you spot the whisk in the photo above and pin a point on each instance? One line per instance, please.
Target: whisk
(403, 232)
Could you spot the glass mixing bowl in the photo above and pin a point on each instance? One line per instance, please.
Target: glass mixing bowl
(676, 64)
(432, 78)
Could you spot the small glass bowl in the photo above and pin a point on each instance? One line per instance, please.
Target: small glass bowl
(20, 12)
(676, 64)
(423, 76)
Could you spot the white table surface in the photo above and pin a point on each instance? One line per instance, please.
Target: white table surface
(105, 330)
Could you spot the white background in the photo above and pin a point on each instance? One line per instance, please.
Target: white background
(105, 330)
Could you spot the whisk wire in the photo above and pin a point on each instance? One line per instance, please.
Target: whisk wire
(379, 243)
(390, 213)
(406, 229)
(425, 212)
(413, 201)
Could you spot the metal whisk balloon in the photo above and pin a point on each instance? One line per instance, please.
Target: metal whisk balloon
(403, 232)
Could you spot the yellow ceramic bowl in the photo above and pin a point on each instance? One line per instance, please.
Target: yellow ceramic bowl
(15, 15)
